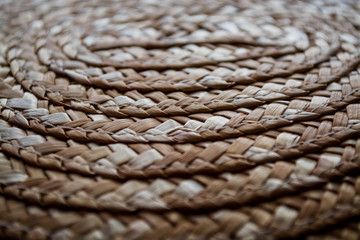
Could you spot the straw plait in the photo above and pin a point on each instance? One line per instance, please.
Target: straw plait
(179, 119)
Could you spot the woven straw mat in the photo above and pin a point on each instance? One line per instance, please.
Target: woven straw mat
(168, 119)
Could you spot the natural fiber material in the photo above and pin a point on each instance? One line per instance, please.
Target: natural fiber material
(179, 119)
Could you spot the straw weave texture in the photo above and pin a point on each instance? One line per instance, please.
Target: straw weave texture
(179, 120)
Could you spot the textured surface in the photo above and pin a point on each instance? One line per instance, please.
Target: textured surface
(179, 119)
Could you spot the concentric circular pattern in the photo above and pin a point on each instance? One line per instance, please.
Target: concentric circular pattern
(180, 120)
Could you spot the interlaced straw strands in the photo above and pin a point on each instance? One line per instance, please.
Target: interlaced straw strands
(179, 119)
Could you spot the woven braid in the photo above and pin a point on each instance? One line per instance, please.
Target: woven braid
(298, 109)
(347, 230)
(284, 217)
(179, 120)
(260, 181)
(165, 159)
(75, 95)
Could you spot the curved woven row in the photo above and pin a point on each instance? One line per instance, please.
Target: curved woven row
(45, 85)
(230, 126)
(161, 159)
(72, 130)
(96, 101)
(47, 187)
(33, 76)
(192, 128)
(226, 100)
(260, 181)
(347, 230)
(179, 120)
(283, 217)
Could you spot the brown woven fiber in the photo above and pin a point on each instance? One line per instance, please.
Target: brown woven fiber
(179, 120)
